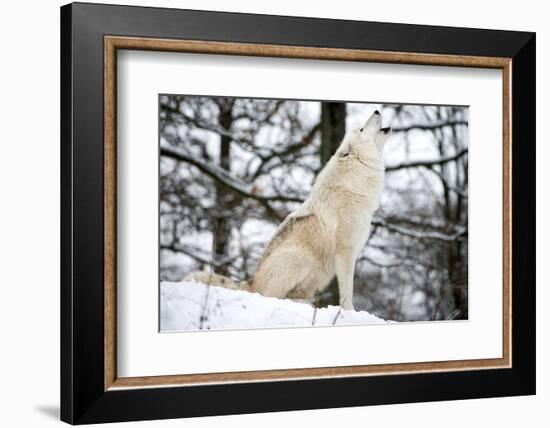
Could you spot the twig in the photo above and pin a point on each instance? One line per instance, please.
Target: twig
(203, 317)
(337, 315)
(314, 315)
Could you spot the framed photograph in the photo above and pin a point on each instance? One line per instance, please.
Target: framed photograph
(266, 213)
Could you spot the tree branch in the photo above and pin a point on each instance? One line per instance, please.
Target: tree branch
(422, 234)
(459, 192)
(292, 148)
(213, 171)
(194, 253)
(199, 123)
(427, 163)
(430, 127)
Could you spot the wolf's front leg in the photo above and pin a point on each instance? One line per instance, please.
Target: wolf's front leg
(345, 267)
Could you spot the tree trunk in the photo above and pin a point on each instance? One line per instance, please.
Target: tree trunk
(221, 223)
(333, 129)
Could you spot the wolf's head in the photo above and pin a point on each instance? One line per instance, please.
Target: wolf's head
(365, 144)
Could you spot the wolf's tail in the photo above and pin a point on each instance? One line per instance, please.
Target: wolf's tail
(212, 278)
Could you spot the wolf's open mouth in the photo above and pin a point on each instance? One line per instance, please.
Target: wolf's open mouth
(385, 130)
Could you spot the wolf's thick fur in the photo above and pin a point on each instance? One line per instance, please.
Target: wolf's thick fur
(324, 236)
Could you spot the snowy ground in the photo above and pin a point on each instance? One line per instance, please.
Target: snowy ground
(194, 306)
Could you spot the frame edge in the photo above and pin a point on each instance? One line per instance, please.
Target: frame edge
(113, 43)
(66, 304)
(523, 148)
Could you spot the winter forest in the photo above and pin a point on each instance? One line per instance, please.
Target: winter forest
(231, 169)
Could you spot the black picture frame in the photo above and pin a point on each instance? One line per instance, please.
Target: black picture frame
(83, 397)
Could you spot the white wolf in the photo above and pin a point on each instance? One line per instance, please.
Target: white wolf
(324, 236)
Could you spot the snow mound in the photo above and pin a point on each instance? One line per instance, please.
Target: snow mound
(189, 306)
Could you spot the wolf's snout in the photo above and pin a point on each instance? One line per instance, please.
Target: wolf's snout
(373, 123)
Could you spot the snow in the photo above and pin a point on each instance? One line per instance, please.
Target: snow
(191, 306)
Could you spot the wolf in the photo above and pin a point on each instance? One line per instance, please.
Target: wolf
(324, 236)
